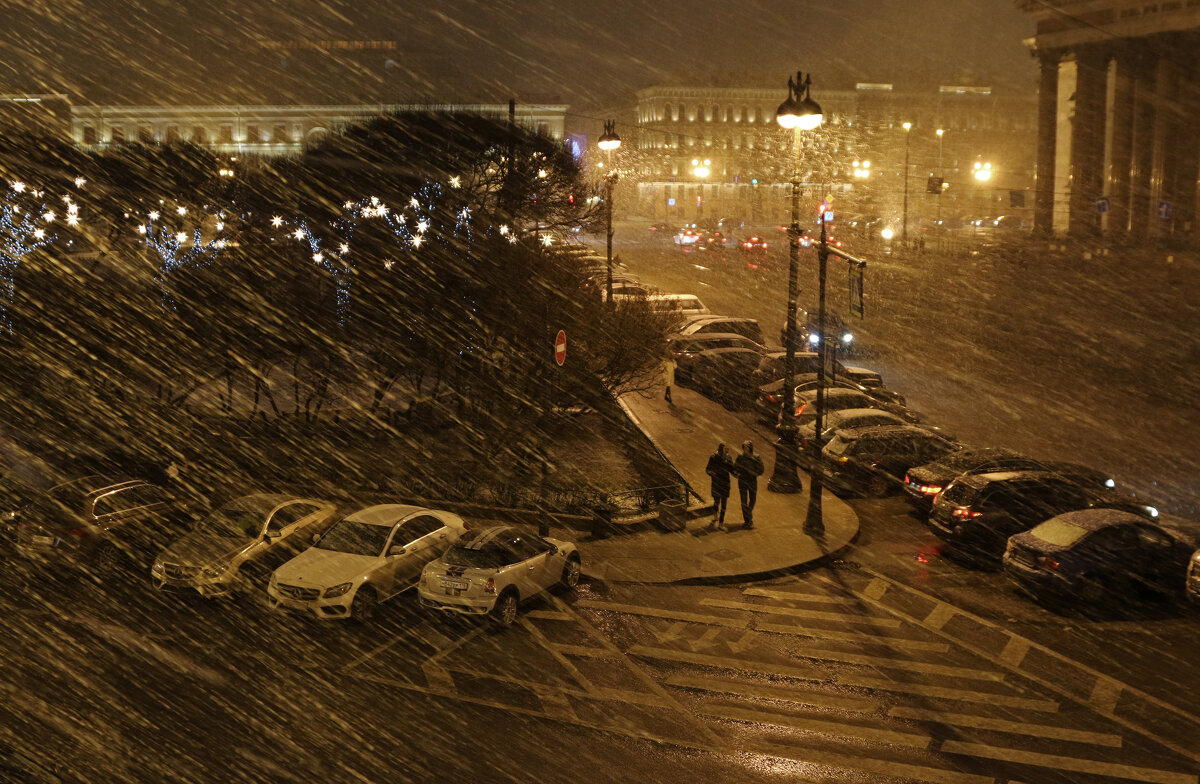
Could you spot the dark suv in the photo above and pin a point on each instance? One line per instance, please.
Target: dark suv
(873, 460)
(101, 523)
(977, 513)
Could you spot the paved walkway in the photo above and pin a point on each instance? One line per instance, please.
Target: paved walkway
(687, 432)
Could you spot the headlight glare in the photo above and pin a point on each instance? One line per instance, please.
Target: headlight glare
(337, 590)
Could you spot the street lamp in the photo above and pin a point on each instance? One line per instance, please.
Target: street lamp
(701, 170)
(907, 139)
(983, 171)
(798, 112)
(941, 184)
(862, 169)
(608, 142)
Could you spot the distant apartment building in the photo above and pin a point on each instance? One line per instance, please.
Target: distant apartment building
(856, 159)
(270, 130)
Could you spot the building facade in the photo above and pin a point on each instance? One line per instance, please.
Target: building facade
(268, 130)
(1118, 104)
(718, 152)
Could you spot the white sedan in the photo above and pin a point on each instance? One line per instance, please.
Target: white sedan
(491, 570)
(366, 557)
(252, 533)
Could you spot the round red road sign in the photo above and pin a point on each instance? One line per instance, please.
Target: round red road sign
(560, 347)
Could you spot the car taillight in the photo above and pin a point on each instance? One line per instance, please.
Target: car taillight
(764, 245)
(772, 398)
(1046, 562)
(490, 585)
(920, 488)
(77, 531)
(963, 513)
(800, 408)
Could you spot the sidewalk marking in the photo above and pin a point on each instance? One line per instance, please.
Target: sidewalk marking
(1057, 763)
(873, 767)
(729, 663)
(548, 615)
(769, 691)
(947, 693)
(705, 640)
(875, 590)
(1003, 725)
(559, 653)
(555, 703)
(746, 642)
(768, 593)
(583, 651)
(1014, 651)
(1102, 698)
(883, 662)
(853, 637)
(674, 632)
(820, 727)
(793, 612)
(939, 616)
(1105, 695)
(670, 615)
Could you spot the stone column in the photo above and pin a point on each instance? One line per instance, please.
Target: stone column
(1160, 137)
(1047, 125)
(1118, 147)
(1087, 142)
(1140, 210)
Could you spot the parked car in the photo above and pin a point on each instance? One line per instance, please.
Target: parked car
(251, 533)
(490, 571)
(365, 558)
(837, 398)
(1099, 554)
(926, 481)
(725, 375)
(771, 367)
(844, 419)
(976, 513)
(679, 305)
(1192, 586)
(747, 327)
(101, 524)
(873, 460)
(686, 348)
(660, 228)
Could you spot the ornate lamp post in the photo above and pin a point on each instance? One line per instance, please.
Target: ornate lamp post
(799, 112)
(608, 142)
(701, 170)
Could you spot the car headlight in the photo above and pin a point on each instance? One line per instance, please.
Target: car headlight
(213, 572)
(337, 590)
(10, 515)
(157, 568)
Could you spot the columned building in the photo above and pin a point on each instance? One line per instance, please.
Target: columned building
(1118, 106)
(269, 130)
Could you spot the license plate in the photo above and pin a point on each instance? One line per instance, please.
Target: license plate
(43, 540)
(458, 585)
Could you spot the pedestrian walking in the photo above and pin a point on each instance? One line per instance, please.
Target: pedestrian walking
(748, 467)
(719, 468)
(668, 371)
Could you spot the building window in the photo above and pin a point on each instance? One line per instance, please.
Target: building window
(117, 134)
(681, 114)
(145, 134)
(750, 114)
(253, 134)
(280, 135)
(172, 134)
(89, 134)
(199, 135)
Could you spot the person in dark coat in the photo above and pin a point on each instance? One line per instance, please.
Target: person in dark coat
(748, 468)
(719, 468)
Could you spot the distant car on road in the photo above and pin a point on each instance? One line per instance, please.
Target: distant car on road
(253, 532)
(873, 460)
(924, 482)
(753, 244)
(1099, 554)
(687, 237)
(490, 571)
(712, 240)
(365, 558)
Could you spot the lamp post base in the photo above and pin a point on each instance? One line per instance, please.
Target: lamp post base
(784, 477)
(814, 522)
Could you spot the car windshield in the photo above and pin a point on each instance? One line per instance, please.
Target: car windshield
(232, 522)
(959, 493)
(491, 556)
(1059, 532)
(353, 536)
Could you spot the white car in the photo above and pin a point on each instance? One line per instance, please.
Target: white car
(366, 557)
(491, 570)
(252, 533)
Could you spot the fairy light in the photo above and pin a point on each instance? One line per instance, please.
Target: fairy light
(455, 182)
(277, 221)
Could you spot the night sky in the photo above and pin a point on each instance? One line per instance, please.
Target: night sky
(584, 52)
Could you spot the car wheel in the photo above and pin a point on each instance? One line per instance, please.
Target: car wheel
(108, 561)
(363, 606)
(505, 611)
(570, 573)
(877, 486)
